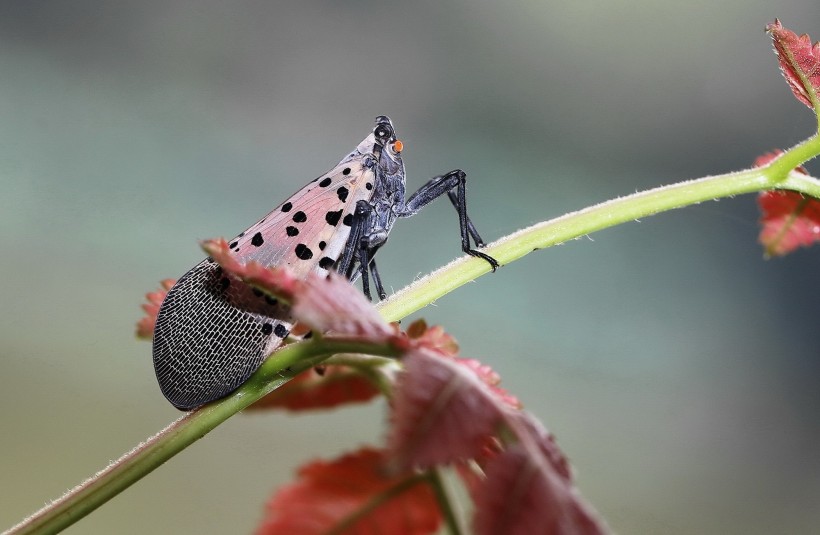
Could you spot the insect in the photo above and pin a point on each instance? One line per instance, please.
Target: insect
(213, 331)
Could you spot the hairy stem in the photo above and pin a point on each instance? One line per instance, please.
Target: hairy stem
(131, 467)
(601, 216)
(780, 168)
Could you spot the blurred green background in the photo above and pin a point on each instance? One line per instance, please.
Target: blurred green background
(676, 366)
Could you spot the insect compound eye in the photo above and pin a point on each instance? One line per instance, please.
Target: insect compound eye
(398, 146)
(382, 132)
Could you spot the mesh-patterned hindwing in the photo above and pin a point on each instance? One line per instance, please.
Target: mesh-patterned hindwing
(212, 333)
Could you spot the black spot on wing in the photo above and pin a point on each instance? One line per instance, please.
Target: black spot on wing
(332, 218)
(342, 193)
(257, 240)
(300, 217)
(303, 252)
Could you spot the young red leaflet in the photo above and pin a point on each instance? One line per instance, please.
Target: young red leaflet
(212, 332)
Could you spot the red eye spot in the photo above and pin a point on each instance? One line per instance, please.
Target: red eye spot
(398, 146)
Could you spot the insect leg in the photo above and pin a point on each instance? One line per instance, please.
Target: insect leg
(374, 272)
(369, 244)
(362, 244)
(377, 280)
(470, 227)
(438, 186)
(364, 259)
(347, 263)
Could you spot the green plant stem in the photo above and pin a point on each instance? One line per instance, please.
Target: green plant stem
(290, 360)
(140, 461)
(780, 169)
(380, 371)
(601, 216)
(445, 501)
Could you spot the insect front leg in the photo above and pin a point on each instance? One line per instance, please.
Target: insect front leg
(454, 184)
(347, 262)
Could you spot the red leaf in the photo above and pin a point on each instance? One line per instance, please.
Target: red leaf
(435, 337)
(275, 280)
(534, 434)
(353, 490)
(442, 411)
(331, 303)
(789, 221)
(145, 326)
(524, 495)
(799, 61)
(491, 379)
(531, 431)
(447, 409)
(338, 385)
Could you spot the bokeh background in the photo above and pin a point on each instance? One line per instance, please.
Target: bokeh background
(677, 367)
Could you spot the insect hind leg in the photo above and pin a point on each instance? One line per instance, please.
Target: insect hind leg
(470, 227)
(454, 184)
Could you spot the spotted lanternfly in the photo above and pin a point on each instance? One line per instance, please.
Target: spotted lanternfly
(212, 331)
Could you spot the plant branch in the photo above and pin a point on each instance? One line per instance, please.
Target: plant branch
(601, 216)
(783, 165)
(445, 501)
(282, 366)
